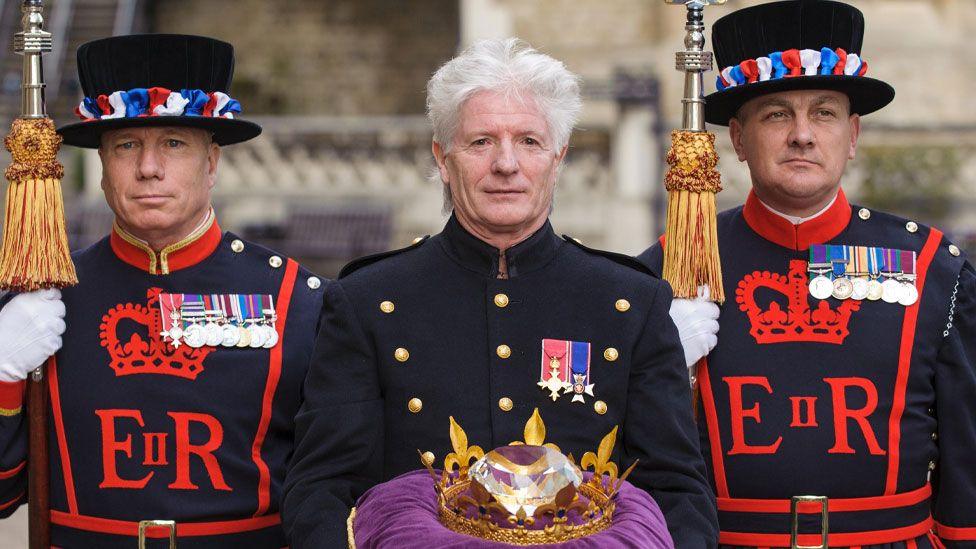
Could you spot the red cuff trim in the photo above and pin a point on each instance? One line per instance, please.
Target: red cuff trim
(12, 472)
(953, 533)
(6, 504)
(11, 398)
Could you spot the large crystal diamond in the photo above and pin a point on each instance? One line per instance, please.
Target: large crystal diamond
(524, 476)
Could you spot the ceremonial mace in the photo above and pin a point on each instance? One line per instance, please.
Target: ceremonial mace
(34, 254)
(691, 238)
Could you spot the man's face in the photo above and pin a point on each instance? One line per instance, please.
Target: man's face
(796, 144)
(502, 165)
(158, 180)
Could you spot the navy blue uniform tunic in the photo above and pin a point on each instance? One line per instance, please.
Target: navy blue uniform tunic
(869, 404)
(140, 430)
(471, 347)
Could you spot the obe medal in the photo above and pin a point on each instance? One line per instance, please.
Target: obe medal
(874, 290)
(859, 288)
(230, 335)
(271, 337)
(821, 287)
(909, 294)
(842, 288)
(891, 291)
(195, 336)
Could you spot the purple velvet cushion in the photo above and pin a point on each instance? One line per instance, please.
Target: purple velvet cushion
(402, 513)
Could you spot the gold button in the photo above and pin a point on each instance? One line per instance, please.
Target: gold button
(600, 407)
(237, 245)
(428, 458)
(935, 436)
(505, 404)
(274, 261)
(864, 214)
(501, 300)
(314, 282)
(610, 354)
(415, 405)
(954, 250)
(931, 466)
(504, 351)
(911, 227)
(387, 307)
(401, 354)
(622, 305)
(418, 239)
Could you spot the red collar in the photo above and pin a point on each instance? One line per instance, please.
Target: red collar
(780, 231)
(193, 249)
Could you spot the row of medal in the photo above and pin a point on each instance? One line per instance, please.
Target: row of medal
(227, 320)
(862, 272)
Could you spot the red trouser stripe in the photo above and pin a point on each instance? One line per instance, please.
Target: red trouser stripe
(184, 529)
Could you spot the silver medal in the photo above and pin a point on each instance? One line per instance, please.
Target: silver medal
(875, 289)
(195, 336)
(230, 335)
(860, 288)
(891, 291)
(842, 288)
(909, 294)
(257, 336)
(215, 336)
(271, 338)
(821, 287)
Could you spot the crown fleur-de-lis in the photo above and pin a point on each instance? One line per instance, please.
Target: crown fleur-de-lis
(463, 455)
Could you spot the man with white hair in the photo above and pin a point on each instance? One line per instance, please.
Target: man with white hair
(493, 317)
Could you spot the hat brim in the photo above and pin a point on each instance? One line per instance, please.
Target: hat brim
(226, 131)
(867, 94)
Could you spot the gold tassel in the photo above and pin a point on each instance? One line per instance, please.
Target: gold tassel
(691, 256)
(35, 243)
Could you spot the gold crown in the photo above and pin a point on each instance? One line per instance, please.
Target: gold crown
(528, 492)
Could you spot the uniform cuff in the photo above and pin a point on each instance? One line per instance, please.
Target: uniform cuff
(11, 397)
(954, 533)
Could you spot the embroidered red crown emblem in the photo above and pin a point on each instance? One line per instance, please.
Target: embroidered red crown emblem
(799, 322)
(140, 356)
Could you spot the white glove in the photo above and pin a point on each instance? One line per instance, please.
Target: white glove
(697, 322)
(30, 331)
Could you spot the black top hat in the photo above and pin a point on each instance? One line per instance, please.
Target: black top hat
(157, 80)
(791, 45)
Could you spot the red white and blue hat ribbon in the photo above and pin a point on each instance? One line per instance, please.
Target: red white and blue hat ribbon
(792, 63)
(157, 102)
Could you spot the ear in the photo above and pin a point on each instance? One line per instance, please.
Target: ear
(213, 158)
(101, 157)
(855, 121)
(562, 154)
(440, 157)
(735, 134)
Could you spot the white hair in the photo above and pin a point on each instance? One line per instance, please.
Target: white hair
(507, 66)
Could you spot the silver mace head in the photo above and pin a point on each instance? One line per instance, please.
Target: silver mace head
(694, 62)
(32, 42)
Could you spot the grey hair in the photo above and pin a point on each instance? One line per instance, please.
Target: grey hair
(508, 66)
